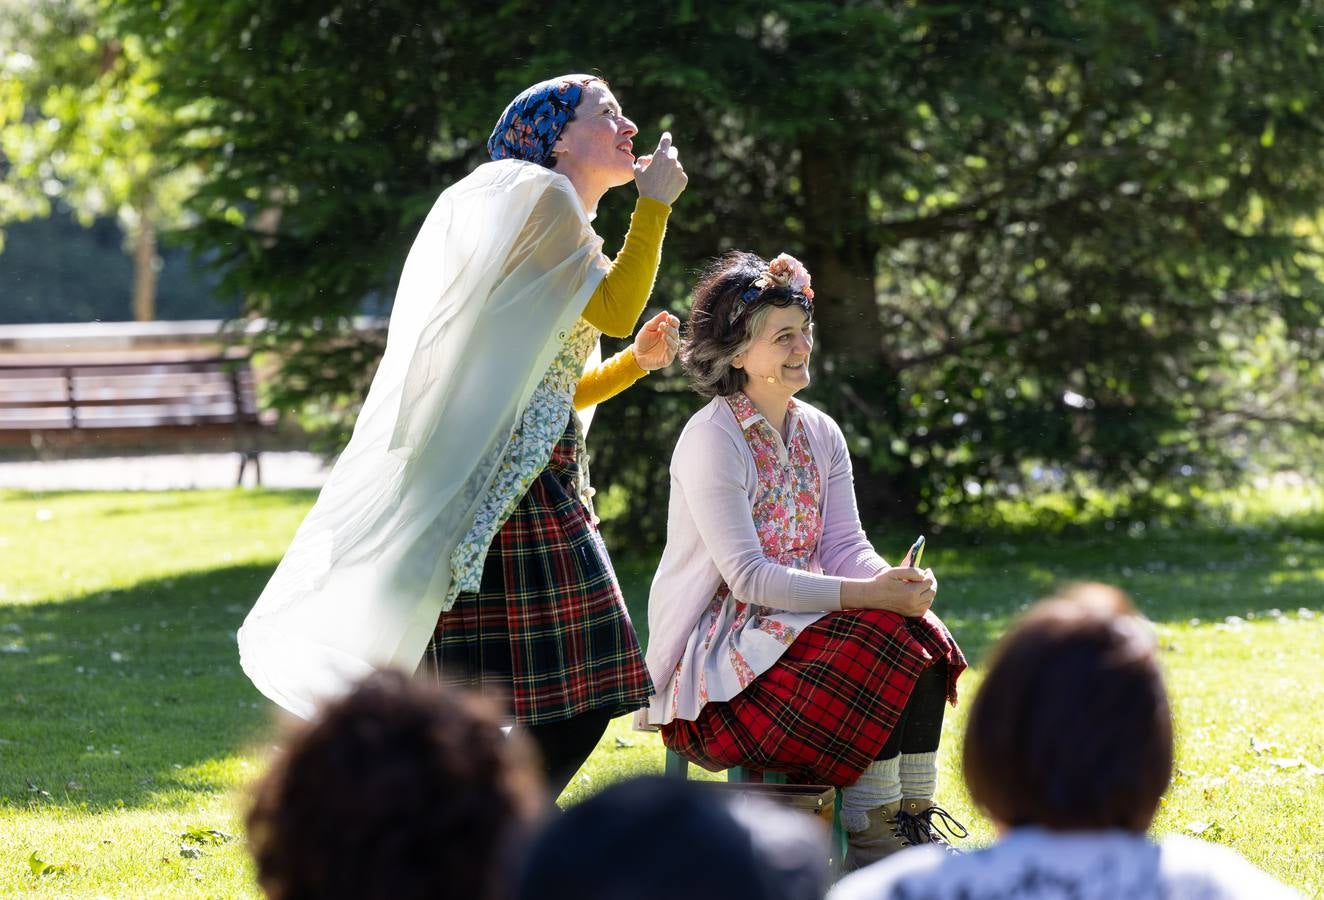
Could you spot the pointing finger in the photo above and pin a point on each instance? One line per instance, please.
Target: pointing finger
(664, 144)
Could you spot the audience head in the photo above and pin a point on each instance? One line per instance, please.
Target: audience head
(1071, 729)
(719, 848)
(400, 789)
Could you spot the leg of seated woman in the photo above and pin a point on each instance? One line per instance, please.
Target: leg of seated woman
(906, 763)
(916, 741)
(920, 733)
(913, 740)
(565, 745)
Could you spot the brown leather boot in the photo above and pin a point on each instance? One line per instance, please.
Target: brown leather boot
(915, 825)
(880, 839)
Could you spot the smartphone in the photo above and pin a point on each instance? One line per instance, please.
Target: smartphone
(914, 554)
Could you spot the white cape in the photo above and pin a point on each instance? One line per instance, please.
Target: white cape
(494, 283)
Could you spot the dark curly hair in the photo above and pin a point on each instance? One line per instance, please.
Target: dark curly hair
(712, 339)
(400, 790)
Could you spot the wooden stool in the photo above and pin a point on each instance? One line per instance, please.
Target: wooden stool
(679, 767)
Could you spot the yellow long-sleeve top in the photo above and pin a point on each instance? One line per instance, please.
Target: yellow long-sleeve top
(620, 298)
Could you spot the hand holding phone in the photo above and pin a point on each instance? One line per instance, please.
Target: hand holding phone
(914, 554)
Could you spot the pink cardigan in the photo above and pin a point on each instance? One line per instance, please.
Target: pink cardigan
(711, 536)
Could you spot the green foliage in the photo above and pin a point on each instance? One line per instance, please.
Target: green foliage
(80, 118)
(81, 129)
(204, 836)
(40, 867)
(1051, 241)
(55, 270)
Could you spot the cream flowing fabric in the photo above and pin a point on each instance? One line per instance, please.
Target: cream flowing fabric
(497, 277)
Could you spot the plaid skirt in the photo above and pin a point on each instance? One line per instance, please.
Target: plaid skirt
(547, 633)
(825, 709)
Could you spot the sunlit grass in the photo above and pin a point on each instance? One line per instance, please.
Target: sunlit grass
(125, 722)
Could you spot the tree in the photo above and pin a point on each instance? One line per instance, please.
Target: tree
(79, 123)
(1044, 236)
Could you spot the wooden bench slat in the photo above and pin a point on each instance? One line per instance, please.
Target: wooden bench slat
(97, 437)
(10, 369)
(147, 421)
(124, 400)
(27, 419)
(152, 378)
(7, 397)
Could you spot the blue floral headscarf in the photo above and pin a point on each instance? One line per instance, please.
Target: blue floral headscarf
(529, 127)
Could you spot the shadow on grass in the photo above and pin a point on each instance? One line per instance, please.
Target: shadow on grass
(128, 697)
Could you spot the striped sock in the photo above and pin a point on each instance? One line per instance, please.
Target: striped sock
(879, 784)
(919, 775)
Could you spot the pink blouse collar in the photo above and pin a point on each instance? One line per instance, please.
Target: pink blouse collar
(748, 415)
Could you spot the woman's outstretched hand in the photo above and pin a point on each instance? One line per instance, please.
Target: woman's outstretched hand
(656, 342)
(659, 174)
(903, 590)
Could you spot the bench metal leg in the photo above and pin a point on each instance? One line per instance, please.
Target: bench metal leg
(838, 834)
(245, 457)
(677, 766)
(742, 775)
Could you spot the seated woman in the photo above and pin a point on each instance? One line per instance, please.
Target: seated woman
(779, 640)
(1069, 750)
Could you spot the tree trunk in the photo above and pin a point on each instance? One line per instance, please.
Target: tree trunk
(842, 261)
(144, 264)
(860, 380)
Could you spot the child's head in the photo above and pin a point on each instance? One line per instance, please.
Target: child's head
(1071, 729)
(401, 790)
(605, 848)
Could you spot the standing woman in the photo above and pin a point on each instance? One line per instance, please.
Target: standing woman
(457, 525)
(779, 640)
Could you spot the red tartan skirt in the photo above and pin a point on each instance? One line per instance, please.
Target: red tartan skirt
(547, 633)
(825, 709)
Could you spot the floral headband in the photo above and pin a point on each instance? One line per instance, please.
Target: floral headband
(785, 271)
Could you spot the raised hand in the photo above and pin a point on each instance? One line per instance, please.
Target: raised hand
(659, 174)
(656, 342)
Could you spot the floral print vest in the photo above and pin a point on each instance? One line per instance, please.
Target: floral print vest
(527, 454)
(738, 641)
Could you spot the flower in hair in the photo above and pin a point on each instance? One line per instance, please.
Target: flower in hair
(786, 271)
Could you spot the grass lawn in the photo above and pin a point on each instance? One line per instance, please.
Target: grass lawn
(128, 733)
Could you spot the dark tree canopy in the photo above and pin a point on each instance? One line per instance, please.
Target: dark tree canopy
(1080, 238)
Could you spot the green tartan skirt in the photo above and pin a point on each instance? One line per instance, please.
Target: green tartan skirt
(547, 633)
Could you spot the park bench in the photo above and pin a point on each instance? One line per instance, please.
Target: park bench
(55, 405)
